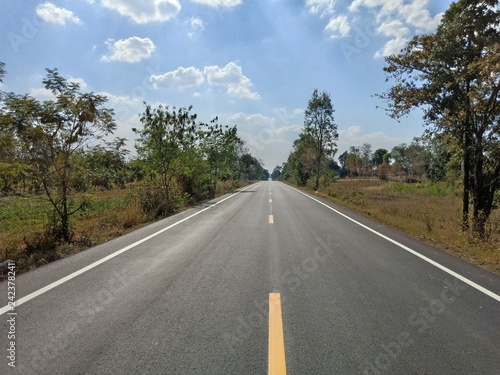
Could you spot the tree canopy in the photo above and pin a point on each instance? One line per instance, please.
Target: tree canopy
(453, 75)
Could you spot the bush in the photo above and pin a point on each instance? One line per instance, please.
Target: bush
(156, 202)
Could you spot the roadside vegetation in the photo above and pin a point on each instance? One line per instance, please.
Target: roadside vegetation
(444, 186)
(66, 186)
(428, 211)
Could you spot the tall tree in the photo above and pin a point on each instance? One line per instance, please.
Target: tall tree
(52, 133)
(378, 157)
(221, 146)
(454, 76)
(2, 71)
(320, 126)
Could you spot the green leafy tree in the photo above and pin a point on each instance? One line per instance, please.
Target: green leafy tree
(164, 137)
(378, 157)
(221, 146)
(453, 75)
(320, 127)
(275, 175)
(52, 133)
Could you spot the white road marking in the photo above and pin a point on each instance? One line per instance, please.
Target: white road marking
(45, 289)
(428, 260)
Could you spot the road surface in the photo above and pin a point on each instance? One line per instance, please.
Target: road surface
(265, 280)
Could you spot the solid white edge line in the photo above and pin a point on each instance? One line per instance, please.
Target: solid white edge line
(40, 291)
(428, 260)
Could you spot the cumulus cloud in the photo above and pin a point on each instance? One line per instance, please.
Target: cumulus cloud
(130, 50)
(338, 26)
(396, 19)
(81, 82)
(398, 32)
(117, 101)
(414, 14)
(355, 136)
(244, 119)
(322, 7)
(219, 3)
(231, 77)
(145, 11)
(54, 14)
(180, 78)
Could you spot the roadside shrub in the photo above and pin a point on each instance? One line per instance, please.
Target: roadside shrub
(156, 202)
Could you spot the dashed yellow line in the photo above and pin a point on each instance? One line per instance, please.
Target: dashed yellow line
(271, 219)
(277, 363)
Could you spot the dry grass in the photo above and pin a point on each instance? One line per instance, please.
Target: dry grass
(428, 212)
(23, 225)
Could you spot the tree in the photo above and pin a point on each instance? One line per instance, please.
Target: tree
(366, 158)
(2, 71)
(221, 147)
(319, 125)
(164, 136)
(378, 157)
(453, 75)
(276, 172)
(52, 133)
(299, 166)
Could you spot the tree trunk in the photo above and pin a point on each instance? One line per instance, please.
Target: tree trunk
(466, 191)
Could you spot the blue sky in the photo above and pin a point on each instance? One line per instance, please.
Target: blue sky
(253, 63)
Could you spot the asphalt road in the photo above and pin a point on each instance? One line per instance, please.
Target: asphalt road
(190, 295)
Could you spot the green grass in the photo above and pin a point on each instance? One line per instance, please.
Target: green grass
(108, 214)
(23, 225)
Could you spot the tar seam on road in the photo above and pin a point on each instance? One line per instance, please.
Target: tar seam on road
(428, 260)
(41, 291)
(276, 354)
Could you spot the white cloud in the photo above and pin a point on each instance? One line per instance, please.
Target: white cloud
(42, 94)
(53, 14)
(396, 19)
(355, 136)
(197, 26)
(180, 78)
(392, 47)
(325, 7)
(338, 26)
(130, 50)
(393, 28)
(145, 11)
(255, 119)
(80, 81)
(219, 3)
(231, 77)
(117, 101)
(414, 14)
(398, 31)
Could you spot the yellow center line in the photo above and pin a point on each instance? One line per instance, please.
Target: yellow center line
(277, 363)
(271, 219)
